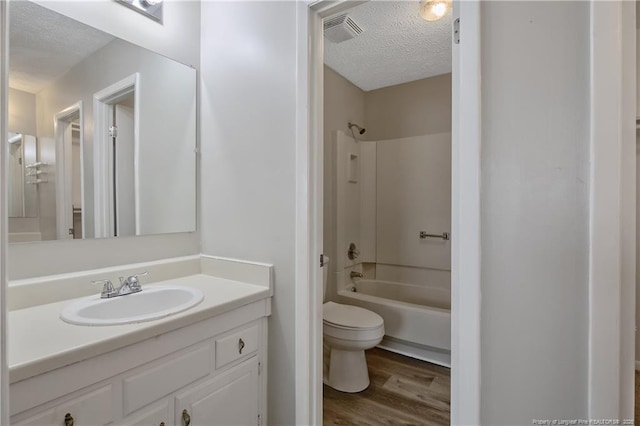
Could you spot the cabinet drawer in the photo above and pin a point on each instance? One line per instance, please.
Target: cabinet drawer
(236, 346)
(94, 408)
(165, 378)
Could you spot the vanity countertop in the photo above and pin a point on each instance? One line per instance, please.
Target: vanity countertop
(39, 341)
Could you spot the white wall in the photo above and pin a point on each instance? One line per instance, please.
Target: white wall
(248, 134)
(535, 198)
(22, 112)
(177, 38)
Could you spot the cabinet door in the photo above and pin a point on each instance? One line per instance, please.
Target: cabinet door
(229, 399)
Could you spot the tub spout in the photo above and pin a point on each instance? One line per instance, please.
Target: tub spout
(355, 274)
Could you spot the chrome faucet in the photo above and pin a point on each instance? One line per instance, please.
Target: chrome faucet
(355, 274)
(128, 285)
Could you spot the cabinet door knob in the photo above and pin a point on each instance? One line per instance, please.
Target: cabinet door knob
(161, 424)
(186, 418)
(68, 420)
(240, 346)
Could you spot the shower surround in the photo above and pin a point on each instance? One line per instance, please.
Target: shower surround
(387, 193)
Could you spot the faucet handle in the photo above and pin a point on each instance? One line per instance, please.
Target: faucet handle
(108, 290)
(133, 281)
(353, 252)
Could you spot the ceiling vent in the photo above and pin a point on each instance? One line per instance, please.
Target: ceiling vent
(341, 28)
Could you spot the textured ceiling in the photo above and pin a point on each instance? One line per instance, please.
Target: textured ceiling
(397, 46)
(44, 45)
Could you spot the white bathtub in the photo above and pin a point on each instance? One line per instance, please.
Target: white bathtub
(417, 319)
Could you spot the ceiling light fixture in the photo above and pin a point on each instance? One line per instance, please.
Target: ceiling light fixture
(432, 10)
(150, 8)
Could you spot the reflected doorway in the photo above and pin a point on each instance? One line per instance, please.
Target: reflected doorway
(115, 159)
(70, 173)
(123, 166)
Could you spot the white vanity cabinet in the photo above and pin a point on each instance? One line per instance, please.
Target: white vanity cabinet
(207, 373)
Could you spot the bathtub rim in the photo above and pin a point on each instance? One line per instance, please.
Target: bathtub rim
(366, 281)
(396, 303)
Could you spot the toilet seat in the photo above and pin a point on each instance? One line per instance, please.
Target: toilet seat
(347, 317)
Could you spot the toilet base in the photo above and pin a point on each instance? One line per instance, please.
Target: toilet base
(348, 371)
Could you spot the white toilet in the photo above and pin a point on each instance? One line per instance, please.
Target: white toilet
(349, 331)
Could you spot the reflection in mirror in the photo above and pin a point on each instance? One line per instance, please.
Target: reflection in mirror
(124, 166)
(113, 125)
(68, 126)
(24, 175)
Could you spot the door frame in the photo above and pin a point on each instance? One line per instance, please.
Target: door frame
(11, 171)
(465, 255)
(612, 211)
(103, 152)
(4, 221)
(64, 178)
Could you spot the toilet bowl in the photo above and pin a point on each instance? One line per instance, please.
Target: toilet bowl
(348, 331)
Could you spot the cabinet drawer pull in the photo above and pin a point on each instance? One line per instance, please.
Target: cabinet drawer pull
(240, 346)
(68, 420)
(186, 418)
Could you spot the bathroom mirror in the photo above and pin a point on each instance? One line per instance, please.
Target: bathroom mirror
(103, 133)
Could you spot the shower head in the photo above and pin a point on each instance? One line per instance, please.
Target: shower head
(361, 130)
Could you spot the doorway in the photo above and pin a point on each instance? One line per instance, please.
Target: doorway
(387, 214)
(123, 167)
(69, 134)
(465, 309)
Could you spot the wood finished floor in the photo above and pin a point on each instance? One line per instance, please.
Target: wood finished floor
(403, 391)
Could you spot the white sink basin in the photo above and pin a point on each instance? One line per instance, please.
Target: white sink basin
(149, 304)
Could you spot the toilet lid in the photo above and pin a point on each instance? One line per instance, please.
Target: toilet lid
(350, 316)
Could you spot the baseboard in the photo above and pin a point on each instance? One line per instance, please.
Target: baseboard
(423, 353)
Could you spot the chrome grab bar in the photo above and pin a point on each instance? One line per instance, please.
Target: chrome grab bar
(444, 235)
